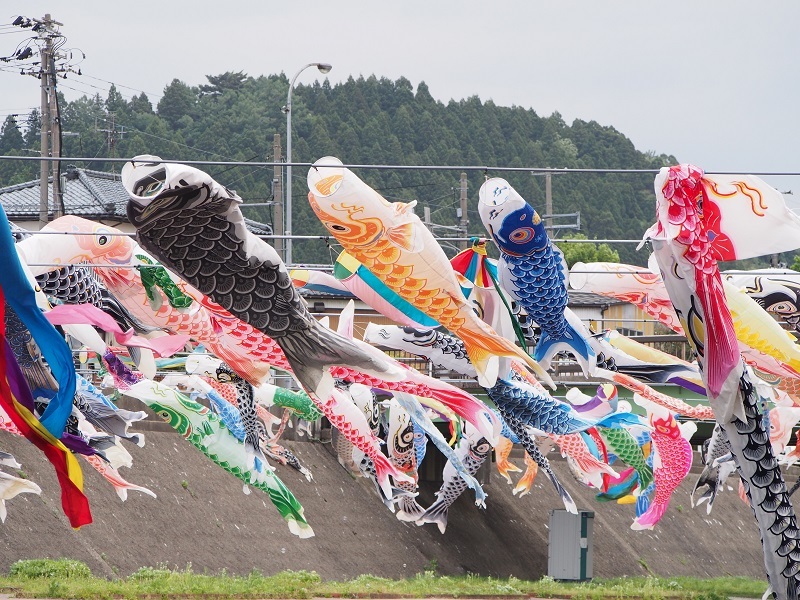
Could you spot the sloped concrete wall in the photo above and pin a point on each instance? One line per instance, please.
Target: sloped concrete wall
(202, 517)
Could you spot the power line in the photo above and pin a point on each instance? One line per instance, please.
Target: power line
(474, 168)
(85, 92)
(122, 86)
(158, 137)
(333, 240)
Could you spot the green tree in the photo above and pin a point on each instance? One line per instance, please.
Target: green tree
(586, 252)
(115, 103)
(33, 128)
(179, 100)
(221, 83)
(141, 104)
(10, 136)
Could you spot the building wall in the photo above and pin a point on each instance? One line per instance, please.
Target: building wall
(628, 319)
(591, 315)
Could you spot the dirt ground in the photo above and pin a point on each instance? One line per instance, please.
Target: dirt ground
(202, 517)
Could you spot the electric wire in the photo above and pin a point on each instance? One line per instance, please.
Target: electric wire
(368, 166)
(119, 85)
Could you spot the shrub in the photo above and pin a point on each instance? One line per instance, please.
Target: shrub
(150, 573)
(61, 568)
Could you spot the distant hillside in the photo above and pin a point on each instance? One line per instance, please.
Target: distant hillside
(364, 121)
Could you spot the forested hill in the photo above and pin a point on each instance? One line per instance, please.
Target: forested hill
(371, 120)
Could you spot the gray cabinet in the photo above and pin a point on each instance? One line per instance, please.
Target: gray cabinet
(569, 555)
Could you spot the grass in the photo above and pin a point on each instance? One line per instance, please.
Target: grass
(65, 578)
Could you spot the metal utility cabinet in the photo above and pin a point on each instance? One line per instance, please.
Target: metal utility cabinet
(569, 555)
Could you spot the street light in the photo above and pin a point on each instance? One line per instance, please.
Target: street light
(324, 68)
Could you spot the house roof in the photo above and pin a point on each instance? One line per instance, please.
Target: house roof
(587, 299)
(89, 194)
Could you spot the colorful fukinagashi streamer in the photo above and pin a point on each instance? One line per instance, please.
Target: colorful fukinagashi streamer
(15, 396)
(357, 280)
(480, 284)
(17, 403)
(20, 296)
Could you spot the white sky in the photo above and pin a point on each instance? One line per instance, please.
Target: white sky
(715, 83)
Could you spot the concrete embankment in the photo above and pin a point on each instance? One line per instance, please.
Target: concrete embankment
(202, 517)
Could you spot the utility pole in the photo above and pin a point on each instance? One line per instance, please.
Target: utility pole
(111, 133)
(277, 196)
(464, 222)
(50, 135)
(548, 201)
(55, 139)
(51, 62)
(44, 75)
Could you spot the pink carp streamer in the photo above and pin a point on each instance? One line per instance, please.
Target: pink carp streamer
(675, 460)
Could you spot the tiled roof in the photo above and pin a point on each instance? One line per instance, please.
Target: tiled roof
(258, 228)
(88, 194)
(589, 299)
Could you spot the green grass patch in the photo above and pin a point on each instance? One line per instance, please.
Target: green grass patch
(45, 568)
(72, 579)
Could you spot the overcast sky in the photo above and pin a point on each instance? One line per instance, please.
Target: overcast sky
(715, 83)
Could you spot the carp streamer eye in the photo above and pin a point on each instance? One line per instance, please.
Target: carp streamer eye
(102, 240)
(783, 307)
(151, 184)
(522, 235)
